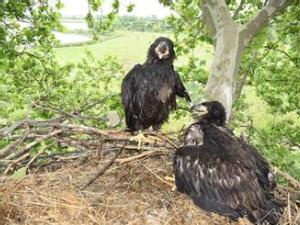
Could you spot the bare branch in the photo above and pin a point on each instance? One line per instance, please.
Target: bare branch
(11, 147)
(34, 143)
(292, 181)
(270, 10)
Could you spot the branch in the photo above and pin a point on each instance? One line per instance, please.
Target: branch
(292, 59)
(141, 155)
(215, 13)
(239, 8)
(13, 146)
(103, 169)
(34, 143)
(291, 180)
(270, 10)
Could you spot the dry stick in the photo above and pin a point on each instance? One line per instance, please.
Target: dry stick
(297, 219)
(38, 154)
(15, 162)
(38, 123)
(292, 181)
(11, 147)
(141, 155)
(166, 140)
(102, 170)
(34, 143)
(158, 177)
(289, 209)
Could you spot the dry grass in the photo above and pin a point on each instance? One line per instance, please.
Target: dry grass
(125, 194)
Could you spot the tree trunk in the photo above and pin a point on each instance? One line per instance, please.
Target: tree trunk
(230, 39)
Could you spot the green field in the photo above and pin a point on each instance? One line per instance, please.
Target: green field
(131, 48)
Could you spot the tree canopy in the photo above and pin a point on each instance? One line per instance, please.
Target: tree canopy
(268, 62)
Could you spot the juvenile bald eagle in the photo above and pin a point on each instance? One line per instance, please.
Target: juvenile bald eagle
(223, 174)
(149, 91)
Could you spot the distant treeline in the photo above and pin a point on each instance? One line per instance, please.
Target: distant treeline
(132, 23)
(135, 23)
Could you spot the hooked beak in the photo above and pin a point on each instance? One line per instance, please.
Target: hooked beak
(162, 50)
(198, 111)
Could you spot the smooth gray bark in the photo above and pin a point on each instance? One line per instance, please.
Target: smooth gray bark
(230, 40)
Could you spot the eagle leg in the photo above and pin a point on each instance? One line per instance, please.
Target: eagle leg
(138, 138)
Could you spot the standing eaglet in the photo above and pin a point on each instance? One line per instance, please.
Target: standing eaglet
(149, 91)
(222, 173)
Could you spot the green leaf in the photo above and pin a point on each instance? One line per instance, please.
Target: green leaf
(19, 174)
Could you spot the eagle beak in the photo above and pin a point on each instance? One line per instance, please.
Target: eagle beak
(160, 55)
(198, 111)
(162, 50)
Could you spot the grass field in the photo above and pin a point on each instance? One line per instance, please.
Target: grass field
(131, 48)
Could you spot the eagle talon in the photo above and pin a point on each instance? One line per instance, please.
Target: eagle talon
(170, 179)
(138, 138)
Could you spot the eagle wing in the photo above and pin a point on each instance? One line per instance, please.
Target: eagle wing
(216, 184)
(180, 89)
(128, 90)
(227, 140)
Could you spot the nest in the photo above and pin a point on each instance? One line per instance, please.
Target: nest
(106, 179)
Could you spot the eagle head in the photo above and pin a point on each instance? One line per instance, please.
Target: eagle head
(162, 49)
(211, 112)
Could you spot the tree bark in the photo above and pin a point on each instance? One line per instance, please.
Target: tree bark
(230, 39)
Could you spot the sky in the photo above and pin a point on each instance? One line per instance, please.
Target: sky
(142, 8)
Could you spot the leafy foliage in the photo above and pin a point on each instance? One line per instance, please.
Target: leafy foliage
(34, 85)
(271, 64)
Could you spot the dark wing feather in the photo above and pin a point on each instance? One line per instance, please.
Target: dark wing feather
(229, 142)
(128, 89)
(180, 90)
(218, 185)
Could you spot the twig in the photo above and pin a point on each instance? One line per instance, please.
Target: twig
(11, 147)
(32, 144)
(165, 139)
(37, 123)
(292, 181)
(141, 155)
(38, 154)
(158, 177)
(289, 209)
(102, 170)
(15, 162)
(297, 219)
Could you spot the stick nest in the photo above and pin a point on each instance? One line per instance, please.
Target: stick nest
(105, 179)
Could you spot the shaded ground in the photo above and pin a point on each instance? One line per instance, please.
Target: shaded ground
(129, 193)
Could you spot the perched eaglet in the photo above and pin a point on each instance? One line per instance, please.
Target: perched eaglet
(149, 91)
(222, 173)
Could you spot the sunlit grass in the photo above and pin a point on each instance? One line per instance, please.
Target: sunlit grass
(131, 48)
